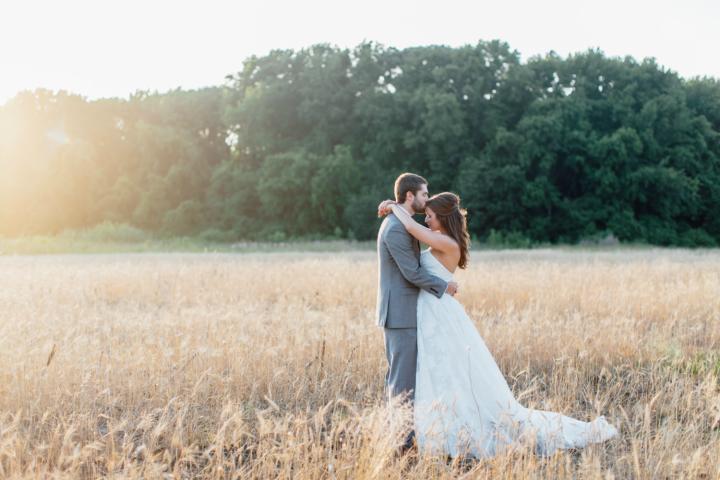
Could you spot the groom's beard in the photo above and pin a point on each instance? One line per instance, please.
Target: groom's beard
(417, 207)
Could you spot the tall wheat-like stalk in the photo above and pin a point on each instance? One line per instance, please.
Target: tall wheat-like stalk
(270, 366)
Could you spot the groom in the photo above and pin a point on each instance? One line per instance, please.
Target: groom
(400, 279)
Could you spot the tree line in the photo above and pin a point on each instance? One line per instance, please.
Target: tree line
(305, 143)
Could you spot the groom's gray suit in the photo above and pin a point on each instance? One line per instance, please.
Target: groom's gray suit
(400, 277)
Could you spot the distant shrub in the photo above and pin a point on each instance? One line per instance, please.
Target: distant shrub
(215, 235)
(696, 237)
(108, 232)
(507, 240)
(604, 239)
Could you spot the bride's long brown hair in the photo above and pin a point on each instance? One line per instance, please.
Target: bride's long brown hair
(446, 206)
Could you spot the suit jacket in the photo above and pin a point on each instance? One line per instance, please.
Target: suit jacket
(400, 276)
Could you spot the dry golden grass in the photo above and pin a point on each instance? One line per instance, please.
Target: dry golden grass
(269, 365)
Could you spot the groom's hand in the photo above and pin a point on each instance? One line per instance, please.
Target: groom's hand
(452, 288)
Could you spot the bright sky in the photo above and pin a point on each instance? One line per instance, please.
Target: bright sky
(104, 48)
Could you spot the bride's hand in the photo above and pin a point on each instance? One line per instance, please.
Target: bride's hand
(384, 207)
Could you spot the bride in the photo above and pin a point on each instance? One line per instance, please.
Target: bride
(463, 405)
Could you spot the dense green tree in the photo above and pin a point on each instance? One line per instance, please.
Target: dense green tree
(307, 142)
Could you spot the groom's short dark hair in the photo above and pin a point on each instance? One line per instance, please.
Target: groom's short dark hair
(407, 182)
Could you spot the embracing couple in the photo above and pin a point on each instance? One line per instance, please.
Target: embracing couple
(437, 360)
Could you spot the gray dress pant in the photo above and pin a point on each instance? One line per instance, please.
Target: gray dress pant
(401, 352)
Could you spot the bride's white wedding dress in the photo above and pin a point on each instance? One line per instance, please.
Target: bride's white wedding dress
(463, 405)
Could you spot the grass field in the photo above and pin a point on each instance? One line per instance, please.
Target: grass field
(265, 365)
